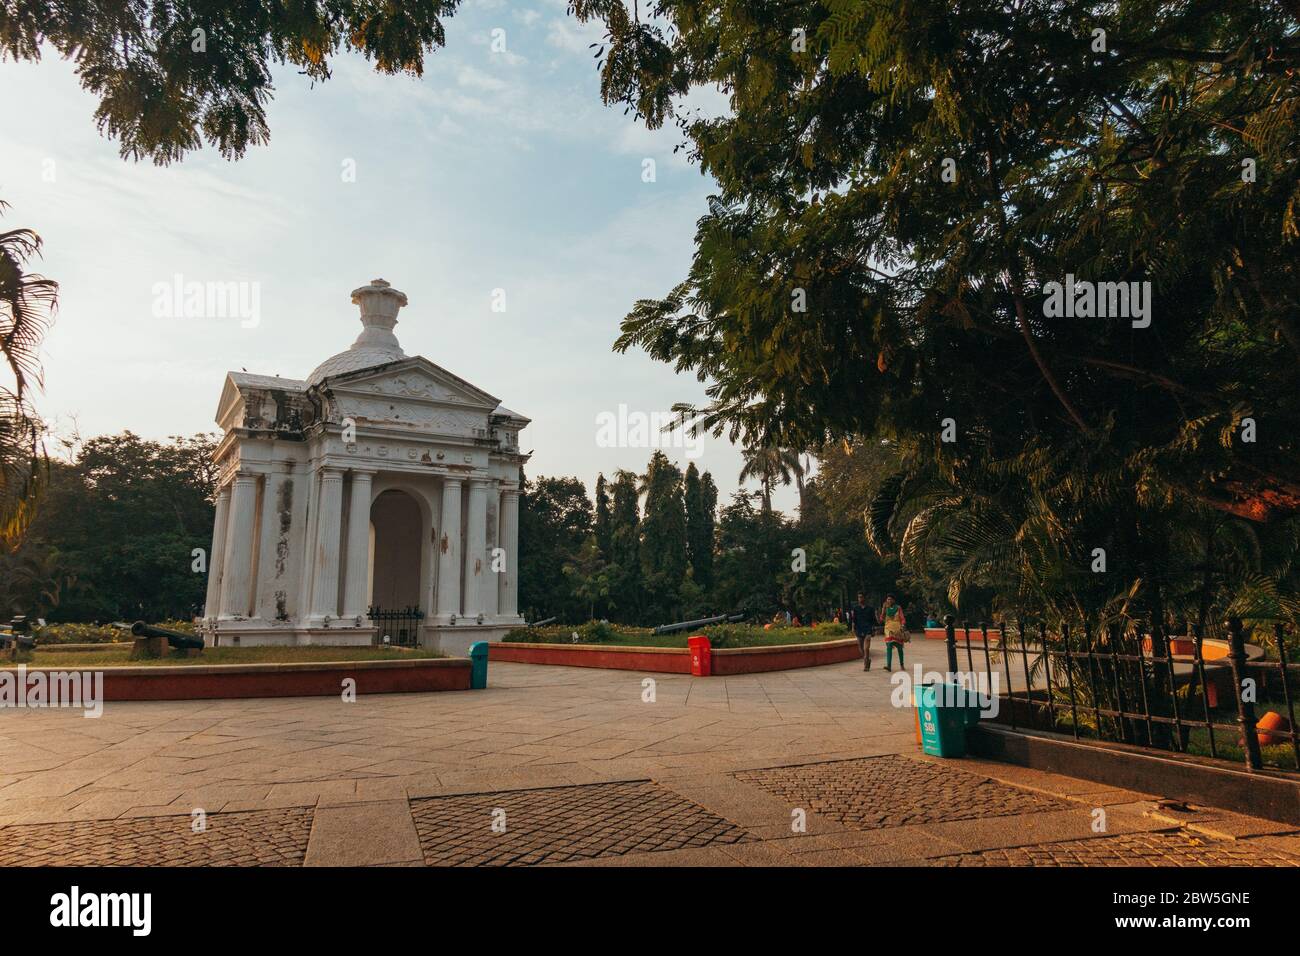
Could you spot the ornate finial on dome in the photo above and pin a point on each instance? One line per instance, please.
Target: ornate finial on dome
(379, 304)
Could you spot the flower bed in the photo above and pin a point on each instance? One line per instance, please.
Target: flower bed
(720, 635)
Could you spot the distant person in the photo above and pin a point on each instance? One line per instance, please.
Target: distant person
(895, 631)
(863, 620)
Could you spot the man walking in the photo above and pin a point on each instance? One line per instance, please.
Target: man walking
(864, 625)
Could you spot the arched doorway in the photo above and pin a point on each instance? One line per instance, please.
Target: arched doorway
(395, 546)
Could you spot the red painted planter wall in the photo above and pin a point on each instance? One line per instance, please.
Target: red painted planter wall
(282, 680)
(677, 660)
(755, 660)
(658, 660)
(976, 637)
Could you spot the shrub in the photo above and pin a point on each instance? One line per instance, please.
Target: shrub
(593, 632)
(97, 633)
(749, 635)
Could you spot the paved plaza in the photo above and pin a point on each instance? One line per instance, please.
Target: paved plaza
(570, 766)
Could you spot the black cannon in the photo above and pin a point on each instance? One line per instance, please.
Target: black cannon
(702, 622)
(152, 637)
(18, 638)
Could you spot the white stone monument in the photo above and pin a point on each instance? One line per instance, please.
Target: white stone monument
(382, 481)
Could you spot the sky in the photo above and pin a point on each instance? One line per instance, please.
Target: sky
(497, 177)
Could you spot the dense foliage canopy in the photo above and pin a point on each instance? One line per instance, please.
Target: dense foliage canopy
(115, 534)
(901, 182)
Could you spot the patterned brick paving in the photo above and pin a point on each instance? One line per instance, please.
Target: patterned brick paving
(560, 824)
(259, 838)
(1138, 849)
(892, 791)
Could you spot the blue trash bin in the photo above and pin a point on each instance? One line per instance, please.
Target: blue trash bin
(478, 663)
(944, 711)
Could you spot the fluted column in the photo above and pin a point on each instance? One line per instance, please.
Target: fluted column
(270, 599)
(357, 577)
(212, 607)
(325, 554)
(508, 539)
(488, 589)
(448, 602)
(476, 566)
(237, 559)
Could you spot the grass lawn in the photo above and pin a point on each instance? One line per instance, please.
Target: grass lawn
(120, 656)
(1279, 756)
(1226, 736)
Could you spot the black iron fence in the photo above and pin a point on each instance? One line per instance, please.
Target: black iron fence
(396, 626)
(1186, 693)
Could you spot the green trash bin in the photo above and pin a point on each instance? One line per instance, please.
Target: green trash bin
(944, 711)
(478, 661)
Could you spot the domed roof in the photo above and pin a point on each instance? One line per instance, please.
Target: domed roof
(350, 360)
(376, 345)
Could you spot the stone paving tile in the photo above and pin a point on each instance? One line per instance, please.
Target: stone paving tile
(1173, 849)
(894, 791)
(261, 838)
(564, 824)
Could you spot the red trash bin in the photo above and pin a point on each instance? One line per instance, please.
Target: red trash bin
(701, 656)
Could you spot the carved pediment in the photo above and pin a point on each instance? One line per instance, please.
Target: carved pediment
(416, 378)
(435, 418)
(417, 394)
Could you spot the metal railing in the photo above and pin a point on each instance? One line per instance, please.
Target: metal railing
(1140, 686)
(400, 626)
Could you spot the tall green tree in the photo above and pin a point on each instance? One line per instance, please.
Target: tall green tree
(554, 521)
(701, 500)
(816, 588)
(589, 576)
(770, 466)
(752, 557)
(602, 525)
(625, 545)
(663, 536)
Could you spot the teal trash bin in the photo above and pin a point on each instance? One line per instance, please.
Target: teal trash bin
(478, 661)
(944, 711)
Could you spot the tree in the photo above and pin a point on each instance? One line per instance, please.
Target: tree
(701, 501)
(663, 536)
(899, 224)
(818, 587)
(849, 474)
(554, 521)
(170, 76)
(33, 582)
(603, 539)
(753, 554)
(115, 536)
(625, 544)
(27, 304)
(589, 576)
(769, 465)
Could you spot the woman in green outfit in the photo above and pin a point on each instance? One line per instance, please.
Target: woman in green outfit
(895, 631)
